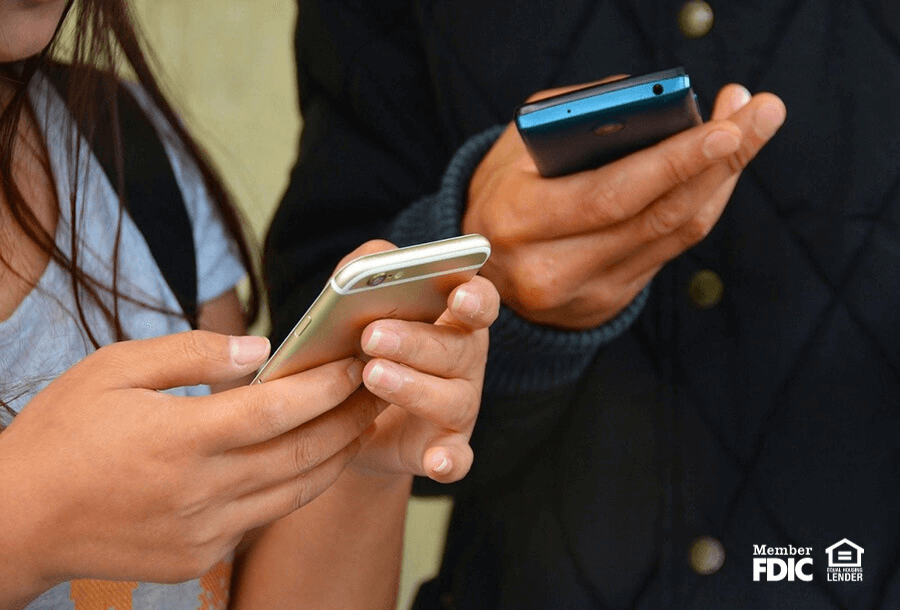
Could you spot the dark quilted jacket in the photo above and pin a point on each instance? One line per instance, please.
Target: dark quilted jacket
(766, 415)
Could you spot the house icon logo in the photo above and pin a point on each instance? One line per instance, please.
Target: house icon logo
(845, 554)
(845, 561)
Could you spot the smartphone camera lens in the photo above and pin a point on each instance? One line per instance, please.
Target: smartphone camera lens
(657, 89)
(377, 279)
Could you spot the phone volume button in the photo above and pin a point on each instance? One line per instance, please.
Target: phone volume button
(301, 326)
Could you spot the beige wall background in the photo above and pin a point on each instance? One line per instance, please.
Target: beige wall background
(228, 67)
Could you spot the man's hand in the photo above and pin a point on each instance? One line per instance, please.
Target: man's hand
(572, 252)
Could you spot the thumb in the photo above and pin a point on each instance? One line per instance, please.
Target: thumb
(189, 358)
(447, 459)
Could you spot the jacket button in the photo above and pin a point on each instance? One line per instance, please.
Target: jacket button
(695, 19)
(706, 289)
(706, 555)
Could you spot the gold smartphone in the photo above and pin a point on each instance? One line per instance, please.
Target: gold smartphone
(411, 283)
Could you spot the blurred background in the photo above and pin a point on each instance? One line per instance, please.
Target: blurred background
(228, 67)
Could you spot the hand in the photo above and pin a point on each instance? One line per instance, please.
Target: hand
(432, 375)
(105, 477)
(572, 252)
(429, 378)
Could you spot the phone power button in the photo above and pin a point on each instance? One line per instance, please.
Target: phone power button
(301, 326)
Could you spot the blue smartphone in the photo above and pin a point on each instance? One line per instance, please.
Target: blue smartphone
(590, 127)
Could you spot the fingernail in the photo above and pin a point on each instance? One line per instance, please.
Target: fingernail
(384, 378)
(740, 98)
(248, 350)
(440, 463)
(382, 342)
(465, 302)
(720, 143)
(355, 371)
(768, 118)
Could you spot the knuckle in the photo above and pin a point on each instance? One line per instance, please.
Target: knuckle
(194, 563)
(303, 494)
(335, 387)
(305, 449)
(674, 170)
(299, 498)
(414, 346)
(197, 347)
(269, 413)
(459, 356)
(191, 345)
(343, 385)
(111, 358)
(415, 390)
(190, 504)
(504, 228)
(738, 161)
(664, 219)
(306, 487)
(462, 414)
(603, 204)
(201, 544)
(445, 347)
(538, 283)
(695, 230)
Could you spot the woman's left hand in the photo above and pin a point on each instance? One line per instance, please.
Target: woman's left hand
(432, 376)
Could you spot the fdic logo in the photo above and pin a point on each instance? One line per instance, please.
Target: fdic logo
(767, 561)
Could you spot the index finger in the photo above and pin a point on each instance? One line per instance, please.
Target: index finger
(262, 411)
(618, 191)
(600, 198)
(474, 304)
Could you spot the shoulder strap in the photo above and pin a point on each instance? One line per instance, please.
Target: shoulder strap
(152, 196)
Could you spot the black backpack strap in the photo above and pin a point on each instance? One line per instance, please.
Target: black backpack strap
(153, 198)
(155, 202)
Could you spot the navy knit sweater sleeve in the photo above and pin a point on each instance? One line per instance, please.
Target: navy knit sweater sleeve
(524, 357)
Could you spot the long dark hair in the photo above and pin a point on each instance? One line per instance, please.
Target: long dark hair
(105, 40)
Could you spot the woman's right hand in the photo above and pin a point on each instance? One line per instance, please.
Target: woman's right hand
(105, 477)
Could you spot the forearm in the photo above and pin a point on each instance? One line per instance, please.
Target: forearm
(343, 550)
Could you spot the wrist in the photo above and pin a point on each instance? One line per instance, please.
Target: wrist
(23, 540)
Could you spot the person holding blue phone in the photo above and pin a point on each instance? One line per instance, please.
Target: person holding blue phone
(696, 360)
(138, 468)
